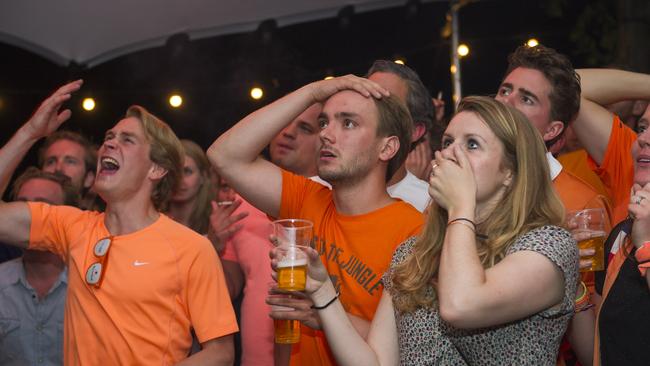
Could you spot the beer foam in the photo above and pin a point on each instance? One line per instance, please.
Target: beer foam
(292, 262)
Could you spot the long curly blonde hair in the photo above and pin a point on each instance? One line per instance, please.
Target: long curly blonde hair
(529, 202)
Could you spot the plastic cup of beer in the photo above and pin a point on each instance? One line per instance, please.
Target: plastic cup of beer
(292, 235)
(286, 331)
(591, 222)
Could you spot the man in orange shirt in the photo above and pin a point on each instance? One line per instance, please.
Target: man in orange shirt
(542, 84)
(163, 278)
(365, 136)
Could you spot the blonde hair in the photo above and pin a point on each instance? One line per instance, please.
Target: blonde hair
(166, 151)
(529, 202)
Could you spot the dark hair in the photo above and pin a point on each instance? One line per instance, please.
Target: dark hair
(418, 98)
(394, 120)
(90, 150)
(70, 193)
(558, 70)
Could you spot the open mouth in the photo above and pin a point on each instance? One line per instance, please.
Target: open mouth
(643, 159)
(109, 165)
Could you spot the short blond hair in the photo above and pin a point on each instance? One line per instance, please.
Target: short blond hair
(166, 151)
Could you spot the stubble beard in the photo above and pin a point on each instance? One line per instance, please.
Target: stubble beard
(349, 173)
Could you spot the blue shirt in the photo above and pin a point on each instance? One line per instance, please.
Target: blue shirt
(31, 330)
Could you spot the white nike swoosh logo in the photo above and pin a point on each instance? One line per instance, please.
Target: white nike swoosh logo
(138, 263)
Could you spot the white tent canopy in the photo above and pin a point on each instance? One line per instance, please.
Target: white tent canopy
(91, 32)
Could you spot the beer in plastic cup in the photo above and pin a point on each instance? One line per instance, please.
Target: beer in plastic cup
(286, 331)
(292, 234)
(292, 272)
(590, 221)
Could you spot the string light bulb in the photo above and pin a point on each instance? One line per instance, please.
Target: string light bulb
(532, 42)
(88, 104)
(257, 93)
(175, 100)
(463, 50)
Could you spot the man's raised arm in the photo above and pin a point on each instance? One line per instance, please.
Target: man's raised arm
(235, 154)
(15, 217)
(601, 87)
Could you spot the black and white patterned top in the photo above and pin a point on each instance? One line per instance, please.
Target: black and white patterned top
(425, 339)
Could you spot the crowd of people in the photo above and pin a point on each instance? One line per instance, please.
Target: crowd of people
(435, 243)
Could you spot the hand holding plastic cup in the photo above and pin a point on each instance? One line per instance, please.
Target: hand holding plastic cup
(286, 331)
(292, 235)
(588, 226)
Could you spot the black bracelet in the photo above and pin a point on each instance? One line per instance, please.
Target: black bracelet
(326, 305)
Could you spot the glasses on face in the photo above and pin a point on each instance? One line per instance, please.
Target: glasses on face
(95, 272)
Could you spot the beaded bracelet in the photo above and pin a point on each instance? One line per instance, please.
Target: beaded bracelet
(328, 303)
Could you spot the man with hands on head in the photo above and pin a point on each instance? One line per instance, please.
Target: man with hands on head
(163, 279)
(365, 136)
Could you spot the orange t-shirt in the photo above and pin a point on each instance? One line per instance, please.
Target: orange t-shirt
(158, 282)
(356, 251)
(576, 194)
(577, 163)
(617, 168)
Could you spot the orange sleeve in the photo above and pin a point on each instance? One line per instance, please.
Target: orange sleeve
(208, 300)
(617, 168)
(295, 189)
(48, 227)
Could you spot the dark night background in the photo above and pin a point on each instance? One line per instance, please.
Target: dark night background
(214, 75)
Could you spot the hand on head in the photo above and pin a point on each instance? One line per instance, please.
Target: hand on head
(321, 90)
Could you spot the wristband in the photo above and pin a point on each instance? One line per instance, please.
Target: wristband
(326, 305)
